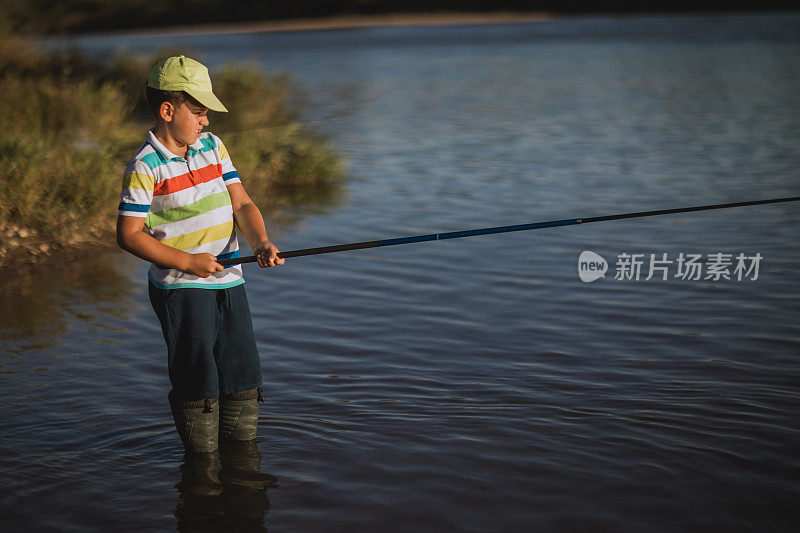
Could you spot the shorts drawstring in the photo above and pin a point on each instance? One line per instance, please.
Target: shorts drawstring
(224, 301)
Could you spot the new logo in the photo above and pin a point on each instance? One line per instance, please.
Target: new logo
(591, 266)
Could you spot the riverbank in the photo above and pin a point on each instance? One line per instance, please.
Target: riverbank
(340, 23)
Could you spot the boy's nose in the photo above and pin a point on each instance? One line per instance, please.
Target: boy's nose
(204, 121)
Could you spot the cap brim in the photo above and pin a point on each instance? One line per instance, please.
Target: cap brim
(208, 99)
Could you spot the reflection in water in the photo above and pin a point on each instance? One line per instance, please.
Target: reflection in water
(224, 490)
(36, 301)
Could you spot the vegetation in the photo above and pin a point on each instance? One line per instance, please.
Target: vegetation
(69, 16)
(65, 16)
(69, 125)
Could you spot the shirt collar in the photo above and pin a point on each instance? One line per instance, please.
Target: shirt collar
(165, 153)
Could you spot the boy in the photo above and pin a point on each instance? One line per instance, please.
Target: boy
(181, 196)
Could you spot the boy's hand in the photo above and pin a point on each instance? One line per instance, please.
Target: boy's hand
(203, 265)
(267, 255)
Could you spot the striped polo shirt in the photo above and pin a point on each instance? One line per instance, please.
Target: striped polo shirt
(185, 204)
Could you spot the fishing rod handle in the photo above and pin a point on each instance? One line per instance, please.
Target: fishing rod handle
(237, 260)
(305, 251)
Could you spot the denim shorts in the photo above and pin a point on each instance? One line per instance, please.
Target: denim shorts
(211, 349)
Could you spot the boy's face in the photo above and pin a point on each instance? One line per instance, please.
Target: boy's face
(188, 122)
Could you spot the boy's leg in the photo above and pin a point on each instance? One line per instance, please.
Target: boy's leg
(190, 321)
(239, 367)
(197, 423)
(238, 415)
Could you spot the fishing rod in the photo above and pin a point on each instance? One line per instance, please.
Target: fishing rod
(500, 229)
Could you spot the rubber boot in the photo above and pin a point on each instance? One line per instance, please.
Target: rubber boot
(197, 422)
(239, 415)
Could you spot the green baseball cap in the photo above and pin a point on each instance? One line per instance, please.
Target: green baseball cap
(181, 73)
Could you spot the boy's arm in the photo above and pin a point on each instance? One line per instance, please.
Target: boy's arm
(251, 224)
(131, 238)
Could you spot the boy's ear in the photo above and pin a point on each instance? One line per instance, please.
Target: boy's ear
(166, 111)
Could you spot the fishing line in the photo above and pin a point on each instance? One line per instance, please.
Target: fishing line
(500, 229)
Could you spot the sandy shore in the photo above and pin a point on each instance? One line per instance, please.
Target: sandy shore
(344, 22)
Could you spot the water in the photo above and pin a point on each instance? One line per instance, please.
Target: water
(476, 384)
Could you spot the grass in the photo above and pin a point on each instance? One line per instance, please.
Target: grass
(69, 126)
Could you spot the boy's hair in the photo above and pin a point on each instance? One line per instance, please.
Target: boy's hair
(156, 97)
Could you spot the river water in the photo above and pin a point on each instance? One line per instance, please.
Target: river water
(474, 384)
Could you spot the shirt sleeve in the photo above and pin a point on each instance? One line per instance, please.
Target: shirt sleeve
(229, 173)
(137, 190)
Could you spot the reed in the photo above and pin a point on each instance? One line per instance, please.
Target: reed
(69, 125)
